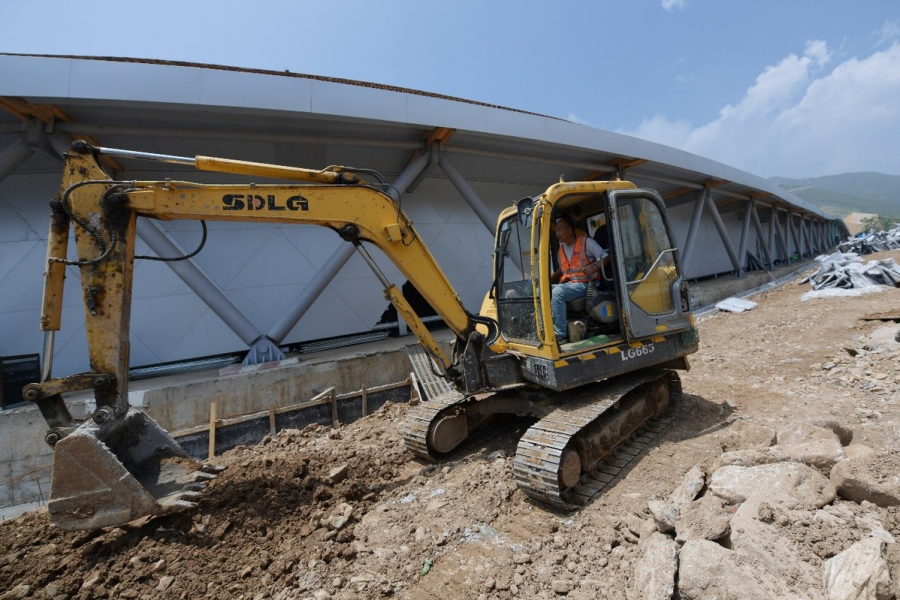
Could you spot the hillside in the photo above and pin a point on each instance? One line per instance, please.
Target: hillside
(849, 192)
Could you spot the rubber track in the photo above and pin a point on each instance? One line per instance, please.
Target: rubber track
(540, 449)
(420, 418)
(609, 468)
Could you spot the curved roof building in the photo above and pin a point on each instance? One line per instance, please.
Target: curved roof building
(454, 163)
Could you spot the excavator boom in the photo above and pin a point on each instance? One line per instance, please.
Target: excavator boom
(120, 465)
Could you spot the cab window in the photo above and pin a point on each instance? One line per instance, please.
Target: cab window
(515, 293)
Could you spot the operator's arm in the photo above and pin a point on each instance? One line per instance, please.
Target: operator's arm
(597, 257)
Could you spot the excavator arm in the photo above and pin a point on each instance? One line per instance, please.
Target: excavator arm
(120, 465)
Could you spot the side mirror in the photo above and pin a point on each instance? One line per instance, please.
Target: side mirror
(524, 207)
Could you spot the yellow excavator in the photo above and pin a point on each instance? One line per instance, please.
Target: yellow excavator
(587, 393)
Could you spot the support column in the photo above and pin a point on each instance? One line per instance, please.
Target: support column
(693, 229)
(484, 214)
(723, 233)
(409, 175)
(745, 230)
(804, 241)
(779, 236)
(793, 232)
(311, 293)
(772, 245)
(763, 241)
(13, 156)
(262, 349)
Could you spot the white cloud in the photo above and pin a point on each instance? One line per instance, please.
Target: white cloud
(673, 5)
(889, 32)
(661, 130)
(799, 120)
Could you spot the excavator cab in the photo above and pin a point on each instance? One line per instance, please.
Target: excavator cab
(638, 295)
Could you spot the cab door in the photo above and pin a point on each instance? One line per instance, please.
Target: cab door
(648, 266)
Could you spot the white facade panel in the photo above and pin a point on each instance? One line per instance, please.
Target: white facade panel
(430, 112)
(28, 76)
(134, 82)
(359, 102)
(232, 88)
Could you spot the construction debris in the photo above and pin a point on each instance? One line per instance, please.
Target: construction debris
(878, 241)
(845, 274)
(735, 305)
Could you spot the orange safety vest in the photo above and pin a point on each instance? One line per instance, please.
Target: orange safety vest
(573, 270)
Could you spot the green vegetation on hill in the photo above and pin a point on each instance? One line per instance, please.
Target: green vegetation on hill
(850, 192)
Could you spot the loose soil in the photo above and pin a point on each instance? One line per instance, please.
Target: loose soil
(348, 513)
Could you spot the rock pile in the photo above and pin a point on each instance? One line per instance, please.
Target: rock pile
(794, 513)
(871, 365)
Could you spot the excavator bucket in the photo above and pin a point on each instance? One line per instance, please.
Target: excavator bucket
(110, 474)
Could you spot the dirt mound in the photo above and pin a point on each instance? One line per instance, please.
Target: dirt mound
(348, 513)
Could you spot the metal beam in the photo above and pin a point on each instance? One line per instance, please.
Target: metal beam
(13, 156)
(793, 231)
(262, 349)
(780, 238)
(773, 247)
(410, 173)
(311, 293)
(338, 259)
(693, 229)
(764, 243)
(484, 214)
(433, 158)
(805, 248)
(745, 230)
(809, 233)
(76, 129)
(723, 233)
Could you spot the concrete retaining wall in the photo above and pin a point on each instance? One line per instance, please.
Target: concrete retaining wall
(179, 402)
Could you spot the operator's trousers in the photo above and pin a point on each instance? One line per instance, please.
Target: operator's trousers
(560, 294)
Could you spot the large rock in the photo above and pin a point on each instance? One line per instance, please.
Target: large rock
(858, 450)
(736, 484)
(760, 528)
(703, 519)
(690, 487)
(874, 477)
(858, 573)
(746, 435)
(664, 515)
(815, 446)
(844, 433)
(707, 571)
(654, 572)
(751, 458)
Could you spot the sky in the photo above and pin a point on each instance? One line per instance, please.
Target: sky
(795, 88)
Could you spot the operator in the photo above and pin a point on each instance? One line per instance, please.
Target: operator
(580, 259)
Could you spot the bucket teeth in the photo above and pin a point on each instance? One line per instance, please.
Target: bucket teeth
(128, 468)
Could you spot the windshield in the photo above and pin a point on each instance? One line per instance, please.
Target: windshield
(515, 292)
